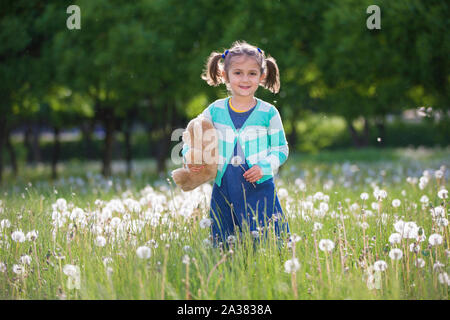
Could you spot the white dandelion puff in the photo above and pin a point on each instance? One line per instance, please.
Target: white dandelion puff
(18, 236)
(317, 226)
(435, 239)
(443, 193)
(443, 278)
(26, 259)
(364, 196)
(395, 254)
(395, 238)
(100, 241)
(144, 252)
(186, 259)
(326, 245)
(18, 269)
(380, 265)
(205, 223)
(32, 235)
(419, 263)
(291, 266)
(396, 203)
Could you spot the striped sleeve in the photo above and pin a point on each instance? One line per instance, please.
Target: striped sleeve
(278, 146)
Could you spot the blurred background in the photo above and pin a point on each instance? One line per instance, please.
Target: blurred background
(118, 87)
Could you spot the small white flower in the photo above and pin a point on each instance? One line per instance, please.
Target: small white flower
(186, 259)
(438, 212)
(396, 203)
(438, 174)
(231, 239)
(364, 225)
(26, 259)
(420, 263)
(413, 247)
(255, 234)
(18, 269)
(291, 266)
(100, 241)
(317, 226)
(326, 245)
(395, 238)
(438, 266)
(205, 223)
(282, 193)
(144, 252)
(443, 193)
(107, 260)
(435, 239)
(424, 199)
(71, 270)
(5, 223)
(18, 236)
(364, 196)
(443, 278)
(395, 254)
(380, 265)
(32, 235)
(2, 267)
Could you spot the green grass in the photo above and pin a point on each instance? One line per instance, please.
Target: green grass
(245, 272)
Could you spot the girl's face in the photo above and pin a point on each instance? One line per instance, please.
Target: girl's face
(243, 76)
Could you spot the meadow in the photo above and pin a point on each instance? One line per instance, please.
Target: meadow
(368, 224)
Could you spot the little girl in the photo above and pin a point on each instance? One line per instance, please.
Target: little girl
(252, 144)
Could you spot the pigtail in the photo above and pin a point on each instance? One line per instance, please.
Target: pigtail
(272, 80)
(212, 73)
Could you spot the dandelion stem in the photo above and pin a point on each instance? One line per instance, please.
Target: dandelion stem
(163, 278)
(317, 256)
(293, 274)
(188, 296)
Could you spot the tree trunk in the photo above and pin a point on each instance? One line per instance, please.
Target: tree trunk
(381, 140)
(292, 137)
(87, 129)
(27, 143)
(109, 127)
(35, 144)
(359, 140)
(12, 153)
(56, 150)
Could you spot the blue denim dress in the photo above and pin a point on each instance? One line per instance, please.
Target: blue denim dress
(238, 205)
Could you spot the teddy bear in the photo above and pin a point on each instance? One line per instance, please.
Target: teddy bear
(201, 138)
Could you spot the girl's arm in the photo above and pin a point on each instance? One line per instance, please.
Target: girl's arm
(278, 146)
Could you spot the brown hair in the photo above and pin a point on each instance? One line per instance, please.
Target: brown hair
(214, 65)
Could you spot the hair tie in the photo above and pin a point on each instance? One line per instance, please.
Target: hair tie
(225, 54)
(259, 50)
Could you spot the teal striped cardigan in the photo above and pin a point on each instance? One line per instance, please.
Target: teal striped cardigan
(262, 137)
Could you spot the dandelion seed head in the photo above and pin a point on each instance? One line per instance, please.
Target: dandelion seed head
(144, 252)
(326, 245)
(380, 265)
(291, 266)
(395, 254)
(435, 239)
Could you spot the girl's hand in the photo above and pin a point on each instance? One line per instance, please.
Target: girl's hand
(195, 167)
(253, 174)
